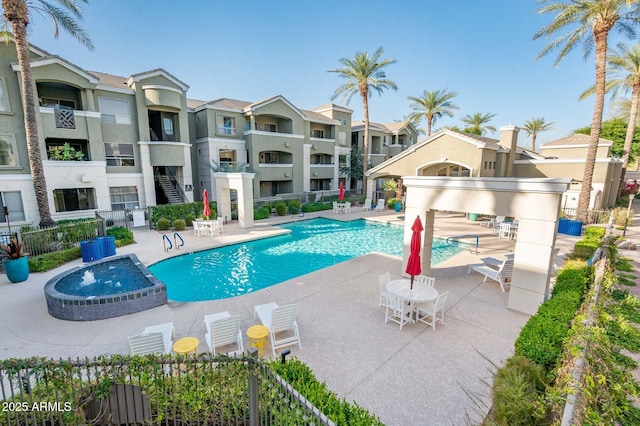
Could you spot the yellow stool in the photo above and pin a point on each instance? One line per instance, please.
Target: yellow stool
(186, 345)
(257, 335)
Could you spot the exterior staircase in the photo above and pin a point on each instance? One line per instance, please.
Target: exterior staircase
(169, 190)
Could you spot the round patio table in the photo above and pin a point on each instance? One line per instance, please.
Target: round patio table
(419, 294)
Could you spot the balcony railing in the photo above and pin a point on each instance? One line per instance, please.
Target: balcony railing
(65, 118)
(227, 131)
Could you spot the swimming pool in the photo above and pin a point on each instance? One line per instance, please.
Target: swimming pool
(312, 245)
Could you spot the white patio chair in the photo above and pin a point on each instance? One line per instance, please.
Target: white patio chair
(223, 330)
(495, 224)
(168, 334)
(196, 229)
(147, 343)
(502, 275)
(425, 280)
(505, 230)
(380, 205)
(220, 225)
(397, 310)
(384, 279)
(427, 310)
(335, 207)
(347, 207)
(367, 205)
(279, 319)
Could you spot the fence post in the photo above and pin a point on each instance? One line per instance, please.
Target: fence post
(254, 413)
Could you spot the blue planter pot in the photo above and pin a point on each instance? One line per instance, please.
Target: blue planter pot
(398, 207)
(17, 269)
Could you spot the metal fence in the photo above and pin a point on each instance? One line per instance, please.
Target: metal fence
(60, 237)
(127, 218)
(592, 217)
(202, 390)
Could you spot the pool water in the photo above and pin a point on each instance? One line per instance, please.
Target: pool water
(312, 245)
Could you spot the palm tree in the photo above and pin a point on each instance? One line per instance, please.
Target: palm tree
(477, 123)
(363, 73)
(623, 68)
(16, 15)
(535, 126)
(431, 106)
(589, 23)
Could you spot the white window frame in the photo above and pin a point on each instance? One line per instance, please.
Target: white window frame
(11, 140)
(119, 158)
(118, 118)
(124, 192)
(4, 100)
(226, 130)
(318, 133)
(12, 209)
(273, 126)
(91, 199)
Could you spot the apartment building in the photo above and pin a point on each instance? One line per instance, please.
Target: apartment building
(107, 142)
(290, 150)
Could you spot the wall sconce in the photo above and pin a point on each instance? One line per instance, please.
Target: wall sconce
(287, 144)
(287, 174)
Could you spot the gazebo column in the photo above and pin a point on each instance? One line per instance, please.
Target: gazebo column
(428, 223)
(532, 261)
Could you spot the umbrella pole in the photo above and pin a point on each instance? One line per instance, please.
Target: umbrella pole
(411, 282)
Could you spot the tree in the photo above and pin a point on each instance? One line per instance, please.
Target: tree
(477, 123)
(16, 15)
(431, 106)
(588, 23)
(356, 164)
(624, 75)
(364, 73)
(535, 126)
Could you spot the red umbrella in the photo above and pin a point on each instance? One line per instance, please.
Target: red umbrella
(205, 199)
(341, 192)
(413, 263)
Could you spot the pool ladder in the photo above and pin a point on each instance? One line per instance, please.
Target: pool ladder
(466, 236)
(166, 240)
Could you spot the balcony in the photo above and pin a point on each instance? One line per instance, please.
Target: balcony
(67, 123)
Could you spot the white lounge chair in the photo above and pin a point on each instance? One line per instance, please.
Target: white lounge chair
(367, 205)
(384, 279)
(279, 319)
(427, 310)
(502, 275)
(168, 334)
(147, 343)
(398, 310)
(380, 205)
(223, 330)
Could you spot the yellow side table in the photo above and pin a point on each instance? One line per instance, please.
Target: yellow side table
(186, 345)
(257, 335)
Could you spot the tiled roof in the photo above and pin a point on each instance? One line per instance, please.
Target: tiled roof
(194, 103)
(372, 125)
(312, 115)
(395, 126)
(229, 103)
(576, 139)
(111, 80)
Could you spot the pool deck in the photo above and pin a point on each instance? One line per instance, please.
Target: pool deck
(414, 376)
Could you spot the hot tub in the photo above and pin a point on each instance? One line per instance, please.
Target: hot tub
(109, 288)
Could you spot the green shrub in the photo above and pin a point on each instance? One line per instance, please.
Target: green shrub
(52, 260)
(179, 225)
(518, 393)
(574, 280)
(316, 207)
(594, 232)
(391, 203)
(281, 208)
(188, 219)
(341, 412)
(122, 235)
(163, 224)
(584, 249)
(261, 213)
(312, 197)
(293, 206)
(180, 211)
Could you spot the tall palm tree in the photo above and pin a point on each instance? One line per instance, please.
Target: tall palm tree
(16, 14)
(431, 106)
(477, 123)
(364, 73)
(535, 126)
(588, 23)
(623, 68)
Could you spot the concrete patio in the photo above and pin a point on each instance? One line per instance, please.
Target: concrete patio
(413, 376)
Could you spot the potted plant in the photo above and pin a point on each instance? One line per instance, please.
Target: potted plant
(17, 264)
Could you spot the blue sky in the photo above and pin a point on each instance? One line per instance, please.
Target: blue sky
(252, 50)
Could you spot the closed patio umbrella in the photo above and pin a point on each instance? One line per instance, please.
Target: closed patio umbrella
(341, 192)
(413, 263)
(205, 199)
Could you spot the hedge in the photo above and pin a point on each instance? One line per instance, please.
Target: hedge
(316, 207)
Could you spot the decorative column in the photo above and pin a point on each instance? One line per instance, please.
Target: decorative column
(148, 179)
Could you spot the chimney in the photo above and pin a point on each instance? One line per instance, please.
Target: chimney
(509, 140)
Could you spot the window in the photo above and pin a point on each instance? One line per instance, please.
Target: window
(55, 102)
(318, 133)
(320, 184)
(114, 111)
(124, 197)
(67, 149)
(67, 200)
(269, 127)
(13, 202)
(226, 125)
(227, 156)
(269, 157)
(163, 126)
(119, 154)
(3, 101)
(7, 151)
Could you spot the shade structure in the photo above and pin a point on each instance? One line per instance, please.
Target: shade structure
(206, 211)
(413, 263)
(341, 192)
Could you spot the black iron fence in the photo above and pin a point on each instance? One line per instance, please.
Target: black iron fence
(60, 237)
(127, 218)
(202, 390)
